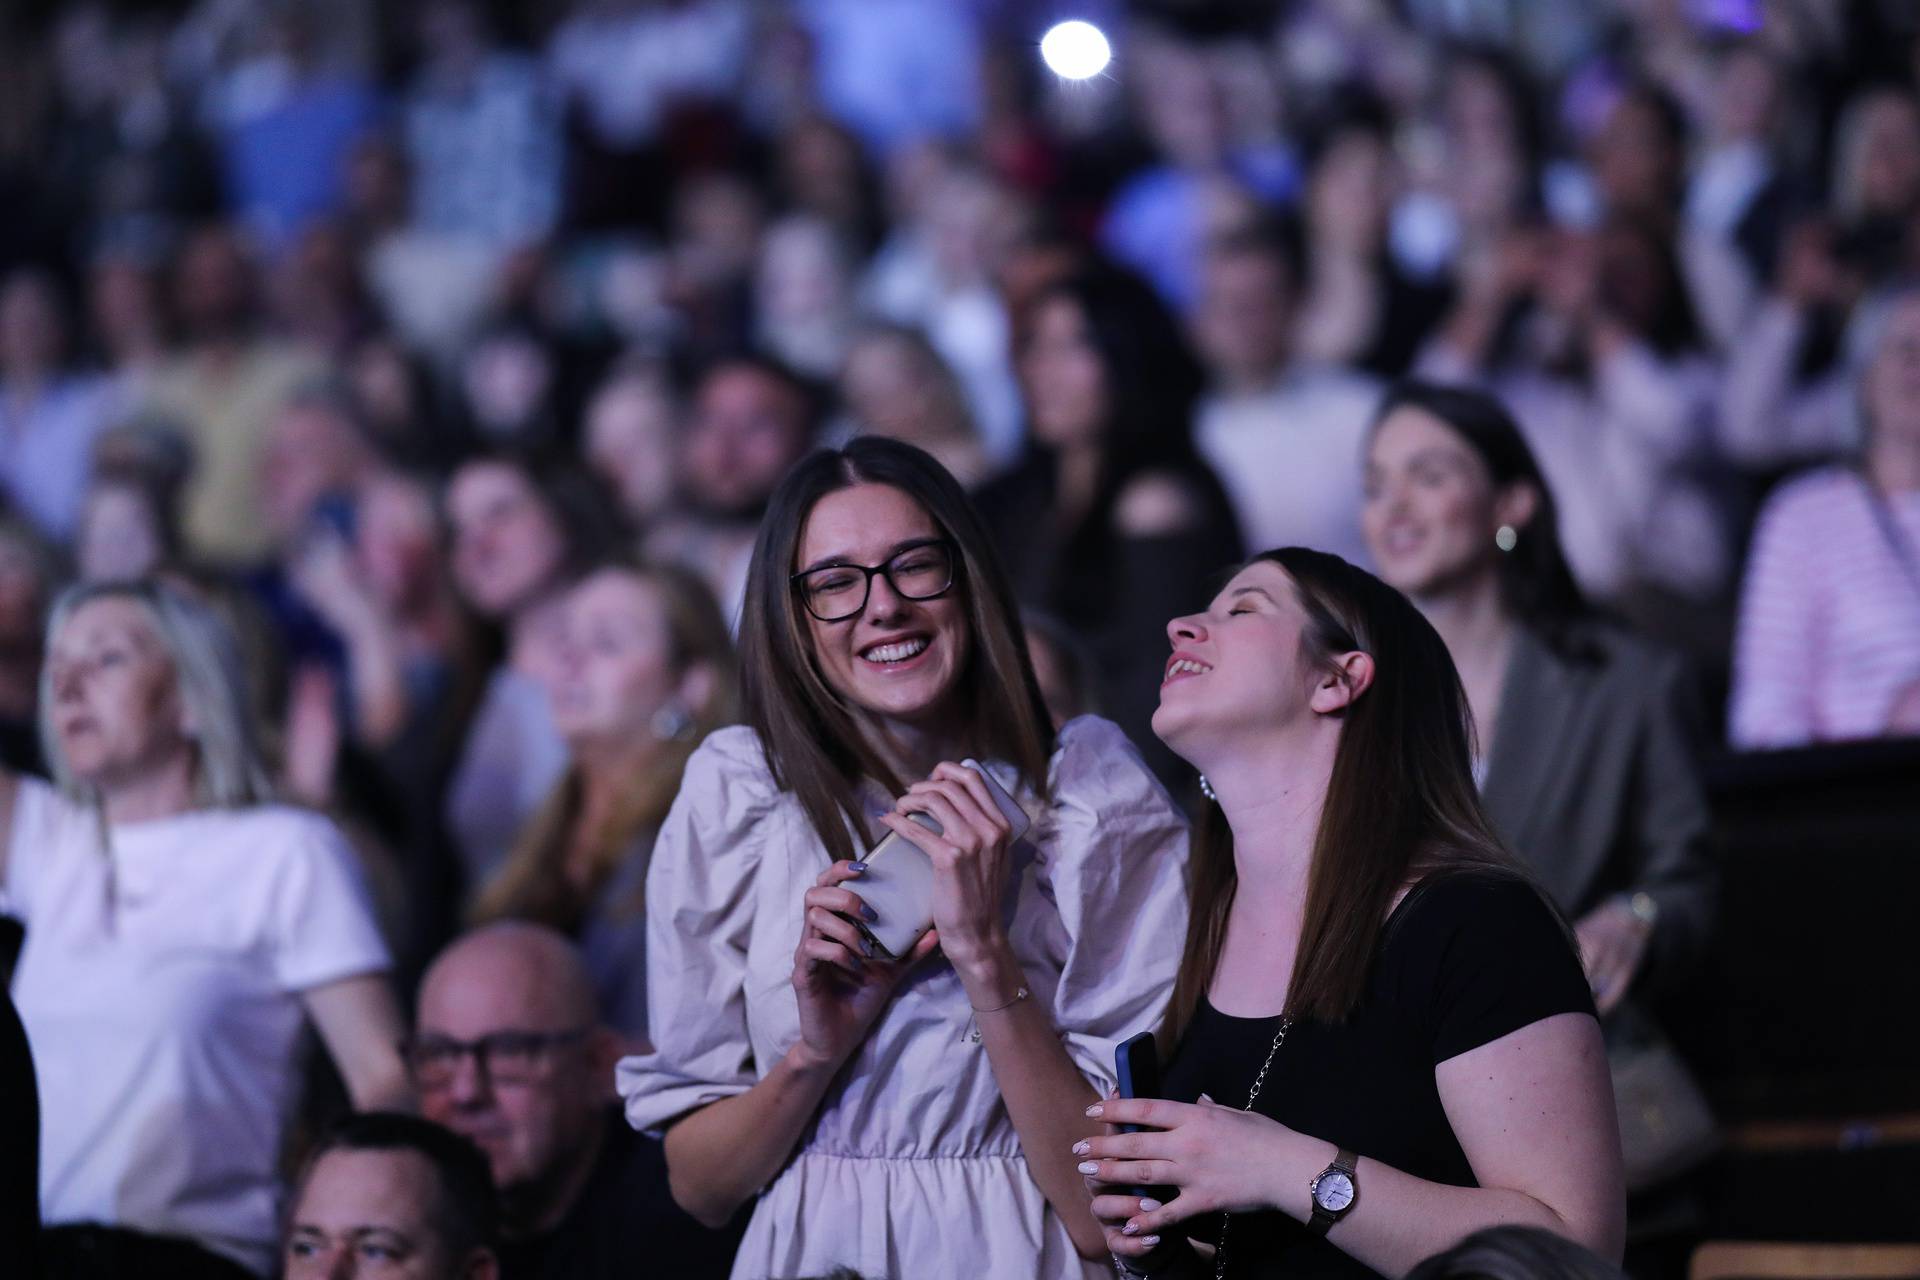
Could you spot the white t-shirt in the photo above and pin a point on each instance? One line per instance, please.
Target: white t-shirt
(160, 988)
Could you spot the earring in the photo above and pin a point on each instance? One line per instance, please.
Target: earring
(671, 723)
(1206, 789)
(1506, 537)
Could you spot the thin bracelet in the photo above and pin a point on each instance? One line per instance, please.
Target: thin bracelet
(1018, 996)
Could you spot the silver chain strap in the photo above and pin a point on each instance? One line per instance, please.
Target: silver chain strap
(1259, 1082)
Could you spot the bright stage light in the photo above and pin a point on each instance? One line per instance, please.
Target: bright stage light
(1075, 50)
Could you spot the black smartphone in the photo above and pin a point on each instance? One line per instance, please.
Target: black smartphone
(1136, 1064)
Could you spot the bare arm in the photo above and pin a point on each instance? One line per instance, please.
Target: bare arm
(1533, 1111)
(1045, 1093)
(720, 1156)
(359, 1022)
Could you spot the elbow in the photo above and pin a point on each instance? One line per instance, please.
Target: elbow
(704, 1205)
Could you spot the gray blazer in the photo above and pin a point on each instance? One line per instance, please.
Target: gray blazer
(1595, 782)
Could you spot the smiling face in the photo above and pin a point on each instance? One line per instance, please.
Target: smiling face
(116, 710)
(897, 658)
(1431, 509)
(1238, 666)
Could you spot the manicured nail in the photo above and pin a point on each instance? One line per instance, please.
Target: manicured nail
(1148, 1205)
(1149, 1241)
(1081, 1148)
(869, 913)
(1129, 1230)
(858, 868)
(866, 948)
(1094, 1112)
(1089, 1166)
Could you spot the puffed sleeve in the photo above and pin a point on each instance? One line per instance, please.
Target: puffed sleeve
(699, 918)
(1115, 867)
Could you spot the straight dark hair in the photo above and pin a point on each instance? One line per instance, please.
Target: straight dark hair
(1537, 586)
(812, 736)
(1401, 805)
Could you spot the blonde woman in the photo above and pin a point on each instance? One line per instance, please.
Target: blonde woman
(181, 930)
(648, 672)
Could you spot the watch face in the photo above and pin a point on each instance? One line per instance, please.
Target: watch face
(1333, 1191)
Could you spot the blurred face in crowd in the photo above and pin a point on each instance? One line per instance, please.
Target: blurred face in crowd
(539, 1105)
(748, 427)
(120, 536)
(213, 283)
(23, 593)
(620, 667)
(1243, 324)
(1064, 377)
(31, 329)
(1237, 669)
(897, 658)
(1431, 507)
(396, 550)
(508, 546)
(117, 714)
(891, 388)
(1349, 193)
(1888, 154)
(1636, 162)
(375, 1215)
(1746, 95)
(312, 451)
(630, 441)
(1892, 389)
(124, 307)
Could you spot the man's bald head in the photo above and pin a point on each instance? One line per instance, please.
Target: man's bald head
(526, 976)
(512, 1008)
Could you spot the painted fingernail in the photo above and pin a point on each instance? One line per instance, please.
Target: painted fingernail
(1081, 1148)
(869, 913)
(866, 948)
(1129, 1230)
(858, 868)
(1150, 1241)
(1094, 1112)
(1148, 1205)
(1089, 1166)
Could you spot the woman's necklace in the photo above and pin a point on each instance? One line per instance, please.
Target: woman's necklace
(1259, 1082)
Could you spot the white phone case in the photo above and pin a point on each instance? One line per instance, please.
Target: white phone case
(898, 884)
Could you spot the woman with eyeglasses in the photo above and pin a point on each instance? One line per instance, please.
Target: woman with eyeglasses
(181, 933)
(909, 1116)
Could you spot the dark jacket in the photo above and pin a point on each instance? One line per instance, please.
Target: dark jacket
(1595, 781)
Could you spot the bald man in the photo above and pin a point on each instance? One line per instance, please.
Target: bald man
(511, 1053)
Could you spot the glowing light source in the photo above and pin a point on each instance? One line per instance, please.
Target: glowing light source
(1075, 50)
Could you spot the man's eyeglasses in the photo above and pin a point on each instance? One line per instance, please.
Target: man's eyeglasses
(505, 1057)
(836, 592)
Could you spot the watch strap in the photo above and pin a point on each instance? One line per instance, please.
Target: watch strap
(1323, 1219)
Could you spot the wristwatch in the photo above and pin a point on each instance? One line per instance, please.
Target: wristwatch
(1333, 1192)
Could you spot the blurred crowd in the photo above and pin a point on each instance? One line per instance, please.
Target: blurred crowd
(451, 350)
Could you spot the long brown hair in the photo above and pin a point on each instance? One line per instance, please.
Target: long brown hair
(533, 883)
(1401, 803)
(811, 735)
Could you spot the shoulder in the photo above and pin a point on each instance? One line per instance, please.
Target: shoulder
(1815, 495)
(283, 837)
(728, 777)
(1448, 904)
(1097, 768)
(1618, 656)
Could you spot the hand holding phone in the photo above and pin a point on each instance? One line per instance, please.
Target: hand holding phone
(898, 883)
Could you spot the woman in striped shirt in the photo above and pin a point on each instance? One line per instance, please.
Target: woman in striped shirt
(1828, 645)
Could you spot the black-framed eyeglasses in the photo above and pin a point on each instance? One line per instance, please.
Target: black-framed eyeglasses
(505, 1057)
(836, 592)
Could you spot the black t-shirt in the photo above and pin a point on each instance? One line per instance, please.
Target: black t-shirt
(1464, 959)
(625, 1223)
